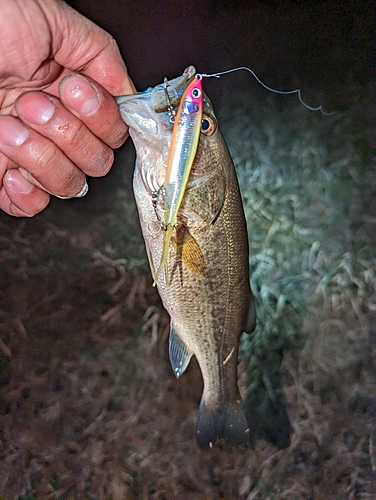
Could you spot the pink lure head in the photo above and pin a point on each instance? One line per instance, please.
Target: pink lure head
(193, 96)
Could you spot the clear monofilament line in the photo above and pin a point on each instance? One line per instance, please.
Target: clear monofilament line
(283, 92)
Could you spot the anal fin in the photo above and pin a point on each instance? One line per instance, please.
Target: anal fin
(180, 355)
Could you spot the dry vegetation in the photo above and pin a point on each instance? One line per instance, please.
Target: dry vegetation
(89, 407)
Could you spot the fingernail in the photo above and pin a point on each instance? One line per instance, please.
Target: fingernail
(82, 193)
(79, 94)
(12, 131)
(17, 182)
(35, 107)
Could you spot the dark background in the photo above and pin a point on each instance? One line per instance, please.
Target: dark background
(321, 42)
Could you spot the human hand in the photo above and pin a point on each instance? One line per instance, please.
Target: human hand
(55, 127)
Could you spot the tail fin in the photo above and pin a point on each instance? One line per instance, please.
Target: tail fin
(228, 424)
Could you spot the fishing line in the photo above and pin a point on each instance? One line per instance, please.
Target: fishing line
(283, 92)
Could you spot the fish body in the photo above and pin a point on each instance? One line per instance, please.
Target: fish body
(207, 295)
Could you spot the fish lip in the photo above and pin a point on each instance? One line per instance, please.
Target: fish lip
(147, 112)
(156, 95)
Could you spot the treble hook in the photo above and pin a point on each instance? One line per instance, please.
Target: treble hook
(155, 195)
(170, 108)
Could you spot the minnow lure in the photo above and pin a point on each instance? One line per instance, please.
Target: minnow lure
(184, 142)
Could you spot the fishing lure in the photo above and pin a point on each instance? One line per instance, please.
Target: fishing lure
(184, 143)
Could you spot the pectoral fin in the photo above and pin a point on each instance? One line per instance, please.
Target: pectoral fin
(190, 252)
(180, 355)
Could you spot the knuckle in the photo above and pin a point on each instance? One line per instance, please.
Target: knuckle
(76, 136)
(55, 173)
(73, 182)
(41, 202)
(102, 162)
(87, 150)
(45, 156)
(5, 164)
(115, 135)
(119, 139)
(108, 124)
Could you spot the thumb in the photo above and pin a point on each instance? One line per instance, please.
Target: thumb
(84, 47)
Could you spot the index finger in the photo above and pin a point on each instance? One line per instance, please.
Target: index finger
(95, 107)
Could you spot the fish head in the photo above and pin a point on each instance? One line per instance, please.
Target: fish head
(150, 127)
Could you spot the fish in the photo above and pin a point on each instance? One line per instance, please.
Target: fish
(207, 293)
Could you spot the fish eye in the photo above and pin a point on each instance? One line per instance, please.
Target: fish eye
(208, 125)
(196, 93)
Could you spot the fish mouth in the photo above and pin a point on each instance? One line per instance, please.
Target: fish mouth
(156, 96)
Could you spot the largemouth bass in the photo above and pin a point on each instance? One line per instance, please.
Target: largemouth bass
(207, 293)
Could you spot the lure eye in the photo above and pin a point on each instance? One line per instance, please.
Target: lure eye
(208, 125)
(196, 93)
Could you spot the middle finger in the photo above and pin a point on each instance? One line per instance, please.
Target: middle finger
(47, 116)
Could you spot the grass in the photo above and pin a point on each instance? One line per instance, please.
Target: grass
(306, 183)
